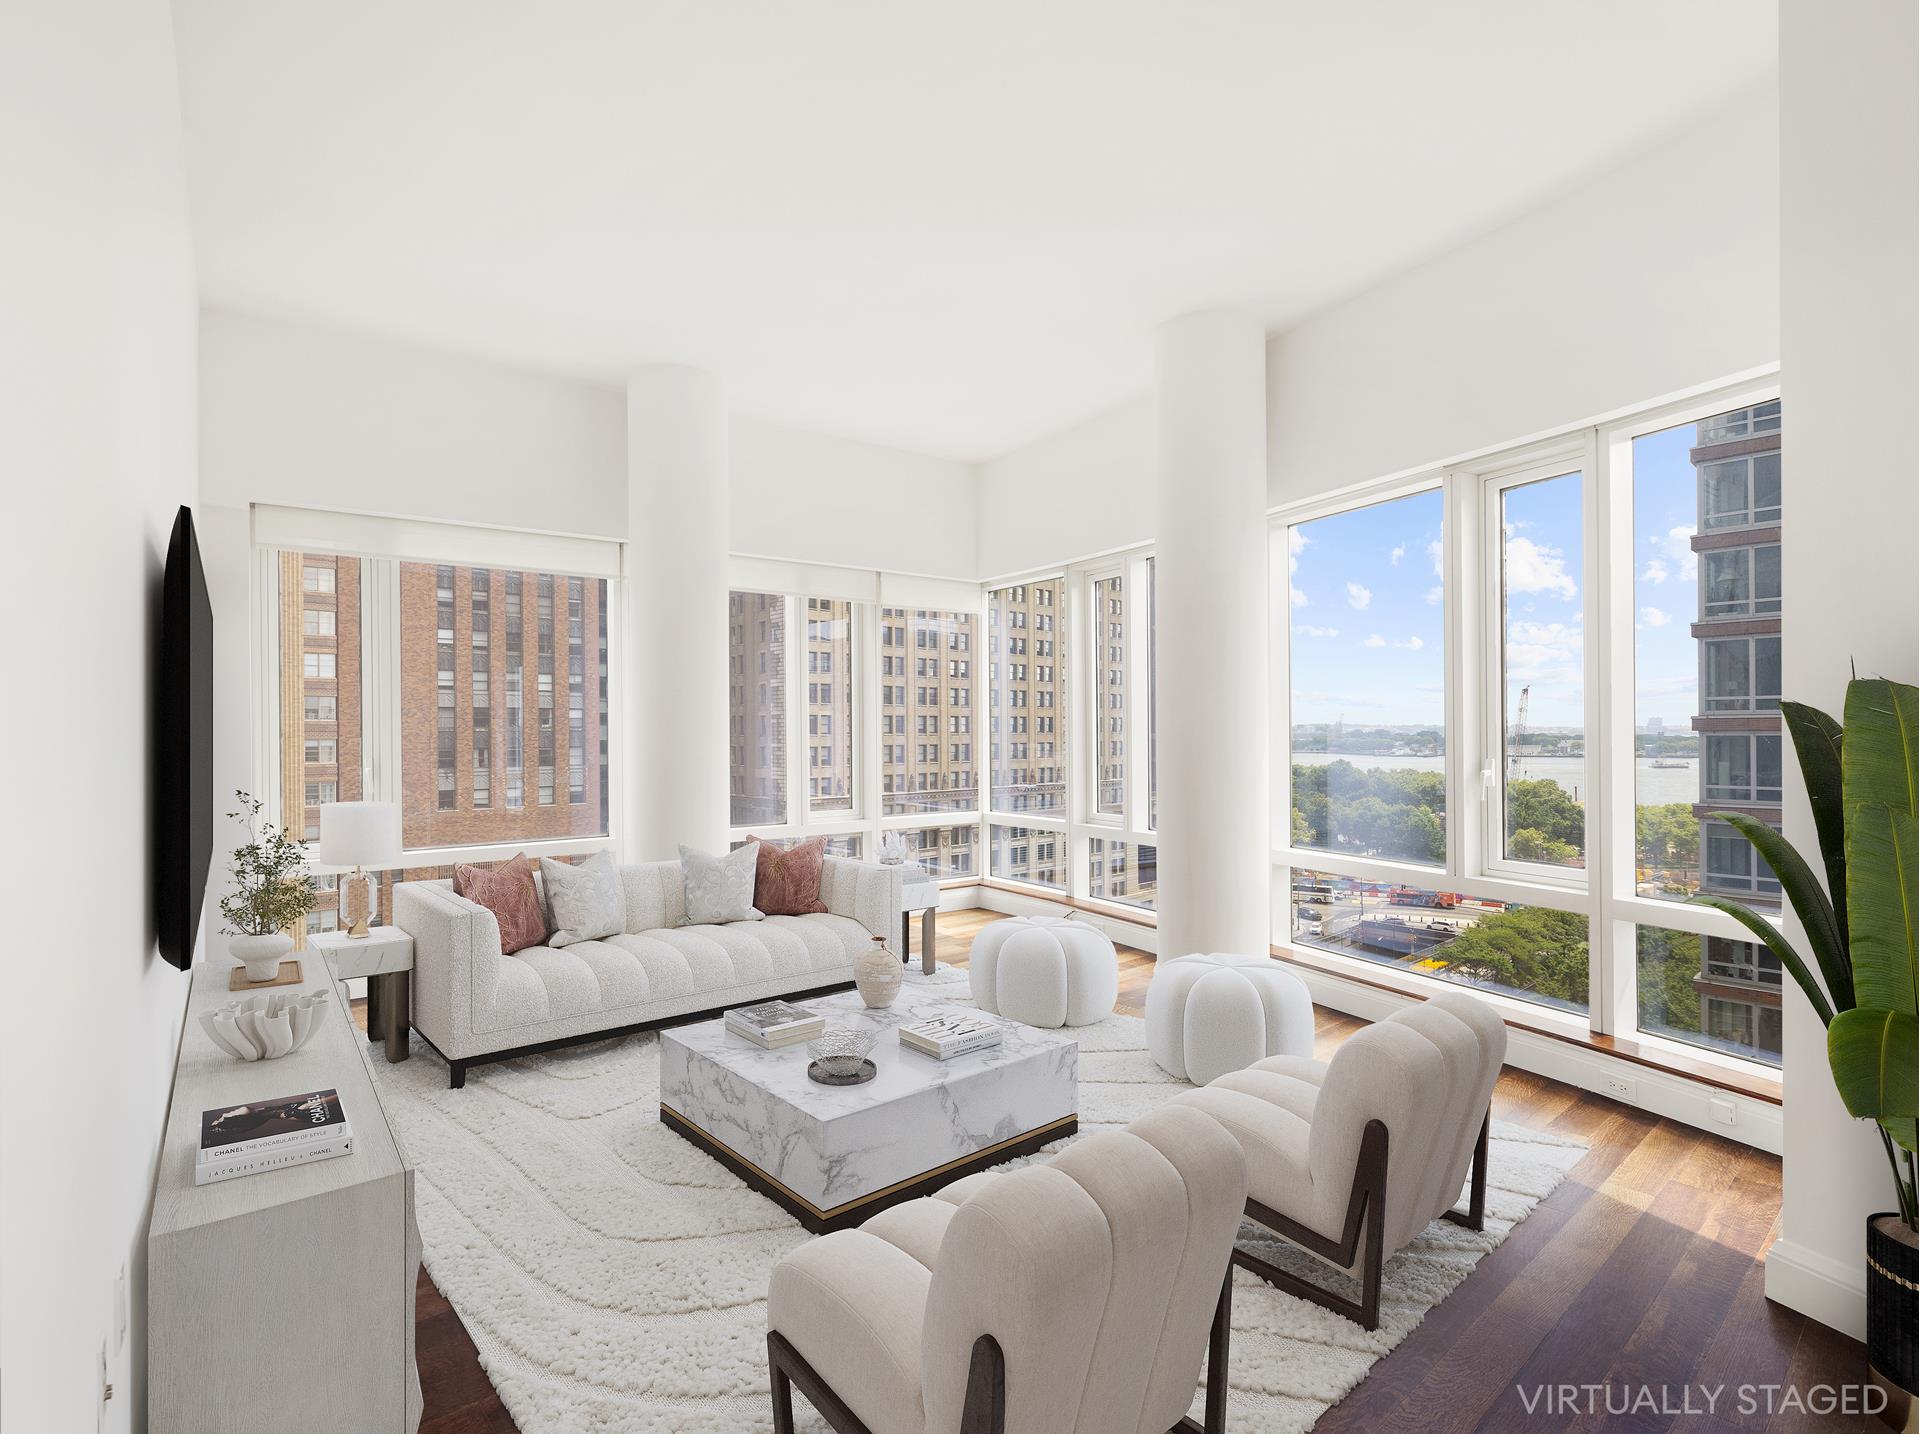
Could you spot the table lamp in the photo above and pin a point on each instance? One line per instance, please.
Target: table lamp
(359, 835)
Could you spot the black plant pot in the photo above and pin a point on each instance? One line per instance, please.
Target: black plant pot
(1893, 1301)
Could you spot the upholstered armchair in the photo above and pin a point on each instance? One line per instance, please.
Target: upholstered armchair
(1078, 1295)
(1354, 1157)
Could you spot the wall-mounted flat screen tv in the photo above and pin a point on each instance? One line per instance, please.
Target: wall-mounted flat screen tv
(183, 816)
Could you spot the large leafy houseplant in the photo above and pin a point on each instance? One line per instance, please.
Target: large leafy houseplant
(1863, 781)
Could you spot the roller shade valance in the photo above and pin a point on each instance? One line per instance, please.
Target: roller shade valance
(414, 540)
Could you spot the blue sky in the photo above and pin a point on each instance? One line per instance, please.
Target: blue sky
(1665, 589)
(1367, 615)
(1367, 602)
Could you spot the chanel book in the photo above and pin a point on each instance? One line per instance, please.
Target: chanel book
(262, 1125)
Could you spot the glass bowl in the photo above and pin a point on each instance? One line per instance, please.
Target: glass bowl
(839, 1057)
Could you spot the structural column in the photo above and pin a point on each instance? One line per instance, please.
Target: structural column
(675, 684)
(1210, 554)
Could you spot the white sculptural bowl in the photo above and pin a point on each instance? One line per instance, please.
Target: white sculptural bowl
(264, 1028)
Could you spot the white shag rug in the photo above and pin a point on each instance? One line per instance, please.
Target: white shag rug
(614, 1278)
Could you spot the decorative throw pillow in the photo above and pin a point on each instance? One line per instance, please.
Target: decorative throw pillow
(586, 902)
(508, 892)
(787, 883)
(719, 888)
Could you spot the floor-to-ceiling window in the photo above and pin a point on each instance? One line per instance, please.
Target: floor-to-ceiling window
(408, 681)
(1516, 697)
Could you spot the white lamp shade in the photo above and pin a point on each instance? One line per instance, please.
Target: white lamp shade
(360, 834)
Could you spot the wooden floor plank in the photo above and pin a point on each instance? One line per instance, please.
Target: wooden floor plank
(1644, 1266)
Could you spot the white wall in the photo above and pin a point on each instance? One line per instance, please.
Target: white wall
(1659, 275)
(1850, 391)
(322, 419)
(1630, 287)
(317, 417)
(831, 500)
(1081, 492)
(97, 447)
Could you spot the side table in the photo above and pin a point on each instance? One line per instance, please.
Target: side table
(920, 892)
(385, 957)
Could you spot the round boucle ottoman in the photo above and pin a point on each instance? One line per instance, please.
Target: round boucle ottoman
(1044, 971)
(1207, 1015)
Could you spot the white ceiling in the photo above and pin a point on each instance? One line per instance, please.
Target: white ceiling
(946, 226)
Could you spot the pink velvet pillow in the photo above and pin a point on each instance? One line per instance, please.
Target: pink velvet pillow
(509, 893)
(787, 883)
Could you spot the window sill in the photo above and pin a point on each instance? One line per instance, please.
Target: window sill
(1133, 915)
(1656, 1056)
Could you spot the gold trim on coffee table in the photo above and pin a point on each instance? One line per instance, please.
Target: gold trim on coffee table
(852, 1212)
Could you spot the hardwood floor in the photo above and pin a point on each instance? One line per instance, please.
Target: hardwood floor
(1643, 1269)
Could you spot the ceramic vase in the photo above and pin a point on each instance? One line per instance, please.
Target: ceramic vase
(261, 955)
(876, 974)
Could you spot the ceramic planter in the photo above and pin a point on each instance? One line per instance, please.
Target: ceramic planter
(261, 955)
(1893, 1277)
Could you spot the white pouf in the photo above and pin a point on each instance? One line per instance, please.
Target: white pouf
(1207, 1015)
(1044, 971)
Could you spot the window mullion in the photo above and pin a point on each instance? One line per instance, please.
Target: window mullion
(799, 770)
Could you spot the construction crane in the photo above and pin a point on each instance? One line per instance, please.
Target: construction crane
(1519, 726)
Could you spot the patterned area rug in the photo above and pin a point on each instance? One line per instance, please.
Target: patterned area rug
(614, 1278)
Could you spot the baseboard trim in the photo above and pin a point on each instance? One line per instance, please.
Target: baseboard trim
(1819, 1287)
(993, 897)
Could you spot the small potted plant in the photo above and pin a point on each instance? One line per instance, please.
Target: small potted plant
(269, 893)
(1863, 783)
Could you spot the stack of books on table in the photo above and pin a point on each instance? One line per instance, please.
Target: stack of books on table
(272, 1134)
(944, 1037)
(773, 1024)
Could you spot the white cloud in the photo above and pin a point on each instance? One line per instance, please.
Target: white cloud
(1677, 554)
(1296, 597)
(1434, 595)
(1655, 571)
(1296, 540)
(1544, 652)
(1307, 629)
(1397, 554)
(1653, 617)
(1535, 568)
(1376, 641)
(1358, 597)
(1438, 556)
(1412, 644)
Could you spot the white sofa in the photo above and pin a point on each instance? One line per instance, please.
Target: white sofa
(474, 1004)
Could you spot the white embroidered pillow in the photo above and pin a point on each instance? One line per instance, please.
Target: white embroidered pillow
(719, 888)
(584, 902)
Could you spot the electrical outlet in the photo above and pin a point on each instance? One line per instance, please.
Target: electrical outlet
(1722, 1110)
(106, 1393)
(1620, 1088)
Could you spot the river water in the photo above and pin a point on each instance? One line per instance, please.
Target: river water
(1653, 786)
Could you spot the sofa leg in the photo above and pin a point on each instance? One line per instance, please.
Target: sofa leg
(456, 1075)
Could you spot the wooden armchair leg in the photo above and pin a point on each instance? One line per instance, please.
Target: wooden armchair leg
(1474, 1217)
(1217, 1340)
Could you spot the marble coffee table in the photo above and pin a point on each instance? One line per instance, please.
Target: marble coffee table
(834, 1155)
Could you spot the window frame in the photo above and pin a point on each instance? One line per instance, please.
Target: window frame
(1080, 822)
(1602, 450)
